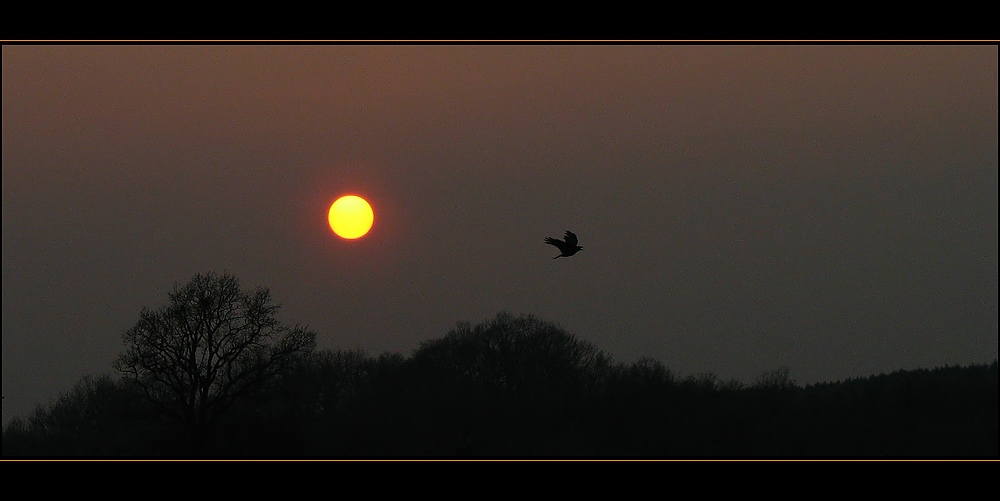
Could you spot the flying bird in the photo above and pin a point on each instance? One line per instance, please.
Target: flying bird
(567, 247)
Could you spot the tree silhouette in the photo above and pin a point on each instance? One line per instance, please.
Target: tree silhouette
(511, 385)
(523, 354)
(212, 345)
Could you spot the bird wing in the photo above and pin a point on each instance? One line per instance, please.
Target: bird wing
(571, 240)
(558, 243)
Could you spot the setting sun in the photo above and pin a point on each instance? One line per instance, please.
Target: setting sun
(351, 217)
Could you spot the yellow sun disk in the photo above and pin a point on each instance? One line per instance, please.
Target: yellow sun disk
(351, 217)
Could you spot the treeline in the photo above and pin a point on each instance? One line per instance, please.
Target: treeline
(519, 386)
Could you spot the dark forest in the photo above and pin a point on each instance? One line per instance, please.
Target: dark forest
(213, 374)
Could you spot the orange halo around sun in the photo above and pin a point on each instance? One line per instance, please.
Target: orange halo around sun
(351, 217)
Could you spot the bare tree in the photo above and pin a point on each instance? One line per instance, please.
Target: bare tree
(778, 379)
(212, 345)
(520, 353)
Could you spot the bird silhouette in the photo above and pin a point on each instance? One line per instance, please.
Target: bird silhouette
(567, 247)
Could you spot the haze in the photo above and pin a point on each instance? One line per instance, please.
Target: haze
(830, 209)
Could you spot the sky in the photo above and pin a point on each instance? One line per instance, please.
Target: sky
(830, 209)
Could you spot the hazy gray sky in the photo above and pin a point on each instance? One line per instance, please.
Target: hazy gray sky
(831, 209)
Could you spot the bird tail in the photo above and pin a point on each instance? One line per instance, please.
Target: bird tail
(557, 257)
